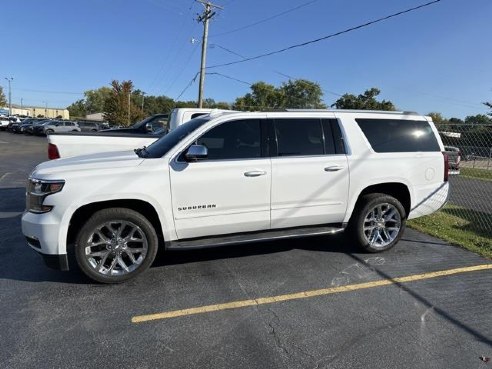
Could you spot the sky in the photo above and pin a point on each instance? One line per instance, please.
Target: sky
(437, 58)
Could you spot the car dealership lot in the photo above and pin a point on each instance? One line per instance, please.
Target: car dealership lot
(304, 303)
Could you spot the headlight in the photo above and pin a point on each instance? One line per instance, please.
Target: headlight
(38, 190)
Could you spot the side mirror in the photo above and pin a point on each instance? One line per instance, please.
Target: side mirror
(196, 152)
(148, 127)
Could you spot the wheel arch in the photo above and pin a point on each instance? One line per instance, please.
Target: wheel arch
(84, 212)
(398, 190)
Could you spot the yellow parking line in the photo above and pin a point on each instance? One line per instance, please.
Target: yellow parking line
(305, 294)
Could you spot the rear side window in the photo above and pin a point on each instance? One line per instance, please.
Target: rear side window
(196, 115)
(299, 137)
(395, 135)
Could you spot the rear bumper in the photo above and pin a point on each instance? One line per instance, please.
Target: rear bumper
(429, 199)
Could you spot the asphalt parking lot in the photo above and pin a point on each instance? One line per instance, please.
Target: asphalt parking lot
(304, 303)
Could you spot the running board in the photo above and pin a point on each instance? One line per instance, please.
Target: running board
(240, 238)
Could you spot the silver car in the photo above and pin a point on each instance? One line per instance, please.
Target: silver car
(60, 126)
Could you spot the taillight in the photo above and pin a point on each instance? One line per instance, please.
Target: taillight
(446, 166)
(53, 152)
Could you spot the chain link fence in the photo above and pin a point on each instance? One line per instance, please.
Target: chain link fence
(469, 149)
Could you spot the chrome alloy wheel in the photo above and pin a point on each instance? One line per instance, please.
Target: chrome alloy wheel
(116, 248)
(382, 225)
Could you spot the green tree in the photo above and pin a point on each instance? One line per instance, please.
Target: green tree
(488, 104)
(212, 104)
(77, 109)
(437, 118)
(119, 108)
(365, 101)
(292, 94)
(262, 96)
(478, 119)
(456, 121)
(157, 105)
(95, 100)
(301, 93)
(3, 100)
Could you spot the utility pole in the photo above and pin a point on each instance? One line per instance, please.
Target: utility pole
(207, 14)
(143, 99)
(9, 80)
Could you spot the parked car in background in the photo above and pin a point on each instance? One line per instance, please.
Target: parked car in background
(4, 122)
(74, 144)
(90, 126)
(38, 129)
(16, 127)
(13, 121)
(30, 127)
(60, 126)
(454, 155)
(148, 125)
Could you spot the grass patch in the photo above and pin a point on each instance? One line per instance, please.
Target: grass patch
(476, 173)
(459, 226)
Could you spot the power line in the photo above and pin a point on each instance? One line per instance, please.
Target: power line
(187, 86)
(229, 77)
(181, 71)
(275, 71)
(170, 57)
(265, 19)
(328, 36)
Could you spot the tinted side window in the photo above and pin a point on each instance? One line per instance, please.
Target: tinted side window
(299, 137)
(393, 135)
(238, 139)
(196, 115)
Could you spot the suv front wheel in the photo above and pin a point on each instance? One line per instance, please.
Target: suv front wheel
(115, 245)
(378, 222)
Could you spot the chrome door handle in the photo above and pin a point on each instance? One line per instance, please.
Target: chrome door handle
(254, 173)
(333, 168)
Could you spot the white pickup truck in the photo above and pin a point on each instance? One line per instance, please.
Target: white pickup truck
(150, 130)
(233, 177)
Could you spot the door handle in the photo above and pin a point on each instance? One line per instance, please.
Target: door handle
(333, 168)
(254, 173)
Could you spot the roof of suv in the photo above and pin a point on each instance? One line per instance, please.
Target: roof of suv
(219, 113)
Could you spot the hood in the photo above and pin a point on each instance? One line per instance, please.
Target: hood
(101, 161)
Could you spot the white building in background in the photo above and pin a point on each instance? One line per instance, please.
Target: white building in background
(34, 111)
(20, 111)
(45, 112)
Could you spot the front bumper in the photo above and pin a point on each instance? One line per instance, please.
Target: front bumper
(41, 232)
(58, 262)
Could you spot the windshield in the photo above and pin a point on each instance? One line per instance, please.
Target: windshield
(167, 142)
(147, 120)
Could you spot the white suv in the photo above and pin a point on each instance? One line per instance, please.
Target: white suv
(236, 177)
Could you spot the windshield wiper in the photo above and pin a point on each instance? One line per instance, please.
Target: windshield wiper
(142, 152)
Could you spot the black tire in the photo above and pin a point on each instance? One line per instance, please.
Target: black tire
(358, 222)
(114, 216)
(49, 131)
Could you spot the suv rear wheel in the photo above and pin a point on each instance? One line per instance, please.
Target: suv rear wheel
(378, 222)
(49, 131)
(115, 245)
